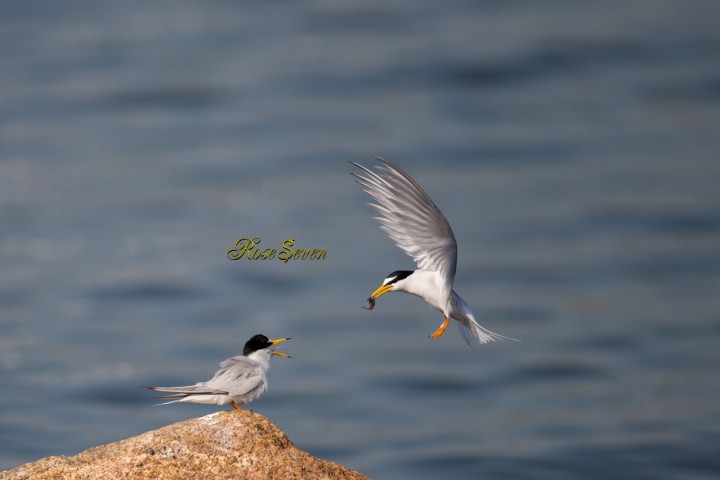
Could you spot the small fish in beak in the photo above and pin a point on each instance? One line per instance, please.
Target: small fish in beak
(370, 305)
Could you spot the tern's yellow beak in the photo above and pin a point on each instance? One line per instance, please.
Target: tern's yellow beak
(381, 290)
(275, 342)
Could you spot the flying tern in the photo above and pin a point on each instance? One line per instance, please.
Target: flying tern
(418, 227)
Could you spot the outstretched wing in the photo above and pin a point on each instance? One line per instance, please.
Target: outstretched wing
(410, 218)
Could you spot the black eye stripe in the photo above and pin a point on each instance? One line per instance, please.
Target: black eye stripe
(398, 275)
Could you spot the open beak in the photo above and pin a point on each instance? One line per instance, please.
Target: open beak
(381, 290)
(275, 352)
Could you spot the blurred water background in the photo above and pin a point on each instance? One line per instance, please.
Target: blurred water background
(572, 145)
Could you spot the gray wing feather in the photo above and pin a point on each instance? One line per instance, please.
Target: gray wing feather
(182, 392)
(410, 218)
(238, 376)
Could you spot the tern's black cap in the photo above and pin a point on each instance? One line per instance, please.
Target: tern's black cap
(258, 342)
(399, 275)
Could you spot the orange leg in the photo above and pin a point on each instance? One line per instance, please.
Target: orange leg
(441, 329)
(236, 407)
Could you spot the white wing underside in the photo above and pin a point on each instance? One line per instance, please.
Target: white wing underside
(411, 220)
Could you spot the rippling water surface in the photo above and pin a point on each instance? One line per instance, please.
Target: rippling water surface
(572, 145)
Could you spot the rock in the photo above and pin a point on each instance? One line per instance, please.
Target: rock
(226, 444)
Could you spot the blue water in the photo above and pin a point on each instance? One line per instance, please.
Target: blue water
(572, 145)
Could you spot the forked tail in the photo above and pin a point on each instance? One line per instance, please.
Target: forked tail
(475, 335)
(471, 331)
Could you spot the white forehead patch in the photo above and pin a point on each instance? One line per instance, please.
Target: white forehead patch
(389, 280)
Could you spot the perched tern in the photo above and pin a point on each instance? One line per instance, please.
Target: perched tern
(241, 379)
(418, 227)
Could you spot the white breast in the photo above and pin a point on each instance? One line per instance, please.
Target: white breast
(426, 285)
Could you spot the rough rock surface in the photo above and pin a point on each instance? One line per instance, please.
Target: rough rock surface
(230, 445)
